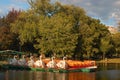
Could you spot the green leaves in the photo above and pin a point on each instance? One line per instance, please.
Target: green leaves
(116, 42)
(62, 30)
(26, 27)
(56, 34)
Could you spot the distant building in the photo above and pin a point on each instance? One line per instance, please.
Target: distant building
(112, 30)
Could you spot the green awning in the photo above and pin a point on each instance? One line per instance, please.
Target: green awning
(11, 52)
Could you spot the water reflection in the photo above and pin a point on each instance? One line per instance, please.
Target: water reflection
(108, 75)
(104, 72)
(81, 76)
(29, 75)
(110, 66)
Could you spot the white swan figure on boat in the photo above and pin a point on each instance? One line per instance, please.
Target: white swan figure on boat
(30, 63)
(39, 63)
(22, 61)
(14, 61)
(52, 63)
(62, 64)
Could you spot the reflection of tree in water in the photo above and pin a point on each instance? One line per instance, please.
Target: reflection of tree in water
(55, 76)
(109, 66)
(39, 75)
(60, 76)
(47, 76)
(70, 76)
(50, 76)
(36, 75)
(16, 75)
(104, 72)
(30, 75)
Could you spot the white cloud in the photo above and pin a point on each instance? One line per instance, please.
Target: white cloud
(19, 0)
(0, 11)
(117, 3)
(88, 4)
(102, 9)
(116, 14)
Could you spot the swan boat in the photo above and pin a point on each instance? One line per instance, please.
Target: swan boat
(72, 66)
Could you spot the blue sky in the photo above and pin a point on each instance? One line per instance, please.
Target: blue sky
(7, 5)
(108, 11)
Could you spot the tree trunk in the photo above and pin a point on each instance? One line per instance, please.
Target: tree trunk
(103, 55)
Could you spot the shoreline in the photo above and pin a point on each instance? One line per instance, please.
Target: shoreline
(109, 60)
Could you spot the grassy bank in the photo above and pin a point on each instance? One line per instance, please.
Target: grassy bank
(113, 60)
(3, 62)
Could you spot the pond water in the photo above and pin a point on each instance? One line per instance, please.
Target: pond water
(104, 72)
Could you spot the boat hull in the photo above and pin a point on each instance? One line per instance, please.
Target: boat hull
(16, 67)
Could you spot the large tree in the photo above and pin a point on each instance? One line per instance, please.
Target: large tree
(7, 38)
(48, 27)
(60, 29)
(57, 34)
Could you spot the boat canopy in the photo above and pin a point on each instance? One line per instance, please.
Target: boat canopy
(11, 52)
